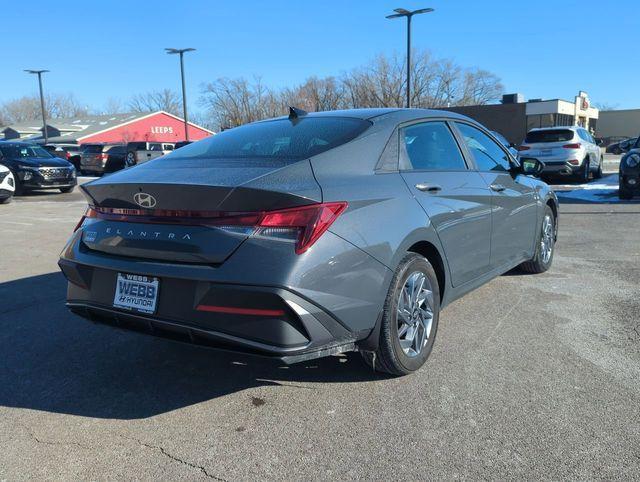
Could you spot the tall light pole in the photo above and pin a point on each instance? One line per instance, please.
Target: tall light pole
(401, 12)
(44, 116)
(184, 93)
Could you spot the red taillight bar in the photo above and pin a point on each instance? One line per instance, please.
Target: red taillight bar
(576, 145)
(311, 220)
(232, 310)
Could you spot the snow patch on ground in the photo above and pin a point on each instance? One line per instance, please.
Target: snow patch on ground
(603, 190)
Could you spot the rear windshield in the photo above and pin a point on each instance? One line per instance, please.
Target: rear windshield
(554, 135)
(93, 148)
(278, 139)
(15, 151)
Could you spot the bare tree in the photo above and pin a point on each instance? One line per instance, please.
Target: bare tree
(380, 83)
(480, 87)
(316, 95)
(27, 108)
(597, 105)
(233, 102)
(165, 99)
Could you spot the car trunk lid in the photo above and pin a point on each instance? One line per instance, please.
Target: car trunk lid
(173, 213)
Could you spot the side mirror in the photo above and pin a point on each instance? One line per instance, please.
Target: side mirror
(531, 166)
(599, 142)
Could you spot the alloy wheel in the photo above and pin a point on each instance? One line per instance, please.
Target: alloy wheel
(547, 239)
(415, 313)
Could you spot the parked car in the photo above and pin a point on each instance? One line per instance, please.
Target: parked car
(140, 152)
(311, 235)
(182, 144)
(69, 152)
(565, 151)
(98, 159)
(7, 185)
(34, 168)
(622, 146)
(629, 176)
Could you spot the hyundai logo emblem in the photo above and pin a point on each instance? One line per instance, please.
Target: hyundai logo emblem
(144, 200)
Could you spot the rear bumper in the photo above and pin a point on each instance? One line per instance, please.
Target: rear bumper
(290, 328)
(181, 332)
(559, 168)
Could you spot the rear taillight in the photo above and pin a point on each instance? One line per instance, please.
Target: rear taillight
(68, 155)
(523, 148)
(574, 162)
(305, 223)
(577, 145)
(103, 156)
(90, 213)
(310, 221)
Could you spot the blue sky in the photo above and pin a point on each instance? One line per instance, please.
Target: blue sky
(102, 49)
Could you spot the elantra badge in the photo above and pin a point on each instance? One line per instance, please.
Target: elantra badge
(144, 200)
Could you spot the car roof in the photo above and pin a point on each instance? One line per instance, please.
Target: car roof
(398, 114)
(14, 143)
(571, 128)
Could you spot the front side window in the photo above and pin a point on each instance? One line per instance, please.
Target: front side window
(489, 156)
(431, 147)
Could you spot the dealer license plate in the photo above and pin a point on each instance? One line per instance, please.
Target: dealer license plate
(136, 292)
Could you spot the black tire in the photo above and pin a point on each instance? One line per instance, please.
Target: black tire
(624, 193)
(130, 160)
(583, 174)
(18, 189)
(6, 200)
(537, 264)
(67, 189)
(390, 357)
(598, 173)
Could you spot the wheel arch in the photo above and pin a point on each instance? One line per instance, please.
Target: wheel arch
(429, 251)
(553, 204)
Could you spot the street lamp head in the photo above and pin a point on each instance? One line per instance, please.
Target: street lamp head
(29, 71)
(178, 51)
(401, 12)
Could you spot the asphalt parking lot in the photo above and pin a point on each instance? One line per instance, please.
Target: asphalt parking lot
(532, 376)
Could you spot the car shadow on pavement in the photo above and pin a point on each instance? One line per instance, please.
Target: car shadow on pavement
(54, 361)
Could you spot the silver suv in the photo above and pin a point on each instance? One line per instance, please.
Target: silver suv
(565, 151)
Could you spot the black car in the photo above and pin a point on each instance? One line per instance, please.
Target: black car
(622, 146)
(34, 168)
(629, 177)
(68, 152)
(182, 144)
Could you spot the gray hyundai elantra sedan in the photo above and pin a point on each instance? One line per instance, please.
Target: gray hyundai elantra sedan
(310, 235)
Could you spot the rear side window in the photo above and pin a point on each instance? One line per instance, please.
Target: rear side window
(155, 147)
(489, 156)
(431, 147)
(280, 139)
(116, 150)
(551, 135)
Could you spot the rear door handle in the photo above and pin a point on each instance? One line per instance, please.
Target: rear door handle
(433, 188)
(497, 187)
